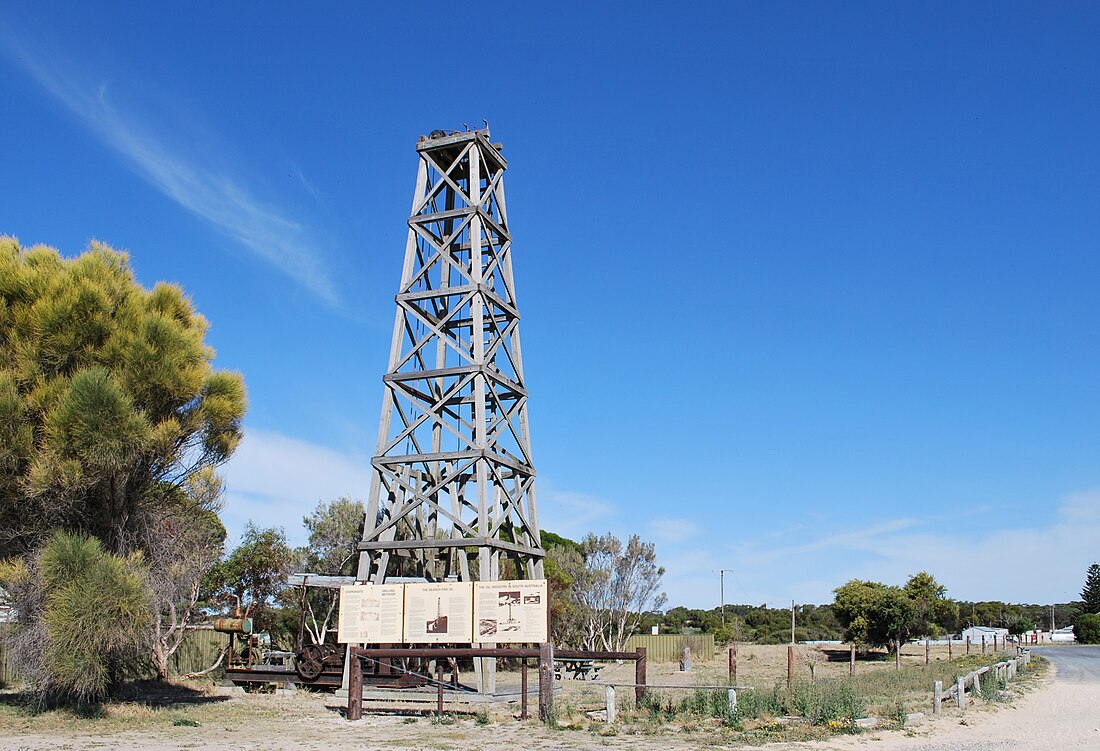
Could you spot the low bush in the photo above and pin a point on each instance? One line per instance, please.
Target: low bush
(1087, 628)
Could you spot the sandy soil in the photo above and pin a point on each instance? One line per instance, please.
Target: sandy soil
(1055, 715)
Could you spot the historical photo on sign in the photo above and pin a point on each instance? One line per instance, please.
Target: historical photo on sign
(371, 614)
(512, 612)
(439, 612)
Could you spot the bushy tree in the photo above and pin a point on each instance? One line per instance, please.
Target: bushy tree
(108, 401)
(83, 617)
(873, 614)
(253, 574)
(335, 529)
(111, 416)
(564, 571)
(1090, 593)
(1087, 628)
(1018, 626)
(934, 613)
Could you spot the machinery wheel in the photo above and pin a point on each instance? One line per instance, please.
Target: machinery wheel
(310, 661)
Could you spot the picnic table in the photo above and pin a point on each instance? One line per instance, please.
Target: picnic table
(580, 669)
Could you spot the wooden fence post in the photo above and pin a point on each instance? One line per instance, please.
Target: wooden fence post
(733, 664)
(897, 654)
(927, 651)
(983, 644)
(639, 675)
(968, 645)
(439, 688)
(732, 696)
(523, 689)
(852, 660)
(790, 665)
(355, 687)
(950, 656)
(546, 680)
(609, 693)
(960, 692)
(937, 696)
(977, 683)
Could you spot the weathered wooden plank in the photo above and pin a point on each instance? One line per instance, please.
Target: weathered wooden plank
(319, 580)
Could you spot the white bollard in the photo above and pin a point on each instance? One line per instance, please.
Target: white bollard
(733, 699)
(610, 694)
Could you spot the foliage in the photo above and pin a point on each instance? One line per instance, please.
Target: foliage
(563, 568)
(253, 574)
(934, 613)
(1087, 628)
(750, 623)
(873, 614)
(1090, 593)
(550, 539)
(996, 613)
(1018, 626)
(335, 529)
(615, 586)
(108, 402)
(82, 619)
(188, 546)
(818, 703)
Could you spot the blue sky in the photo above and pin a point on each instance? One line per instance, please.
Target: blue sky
(809, 289)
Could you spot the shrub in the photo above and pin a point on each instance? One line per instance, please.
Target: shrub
(86, 623)
(1087, 628)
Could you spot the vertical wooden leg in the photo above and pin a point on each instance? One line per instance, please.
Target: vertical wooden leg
(546, 680)
(355, 688)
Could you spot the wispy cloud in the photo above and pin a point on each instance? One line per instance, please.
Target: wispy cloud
(864, 538)
(673, 531)
(274, 480)
(202, 189)
(571, 513)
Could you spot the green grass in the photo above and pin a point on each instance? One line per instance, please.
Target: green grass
(823, 707)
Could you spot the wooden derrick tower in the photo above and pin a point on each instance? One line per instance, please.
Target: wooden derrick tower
(453, 485)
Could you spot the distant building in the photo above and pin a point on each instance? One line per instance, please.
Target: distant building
(1063, 634)
(977, 632)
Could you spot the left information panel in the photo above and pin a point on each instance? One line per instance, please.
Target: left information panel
(371, 614)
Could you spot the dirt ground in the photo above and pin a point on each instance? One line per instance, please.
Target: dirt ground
(1051, 715)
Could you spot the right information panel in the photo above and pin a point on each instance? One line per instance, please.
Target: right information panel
(510, 612)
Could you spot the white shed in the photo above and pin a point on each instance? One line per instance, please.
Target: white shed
(977, 632)
(1063, 634)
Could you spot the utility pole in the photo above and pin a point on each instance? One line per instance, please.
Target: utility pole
(722, 585)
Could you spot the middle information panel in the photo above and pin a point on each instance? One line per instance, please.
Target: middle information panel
(439, 612)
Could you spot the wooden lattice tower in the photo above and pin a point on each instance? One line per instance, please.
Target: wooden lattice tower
(453, 480)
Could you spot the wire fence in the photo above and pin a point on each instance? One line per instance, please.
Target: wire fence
(670, 647)
(197, 652)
